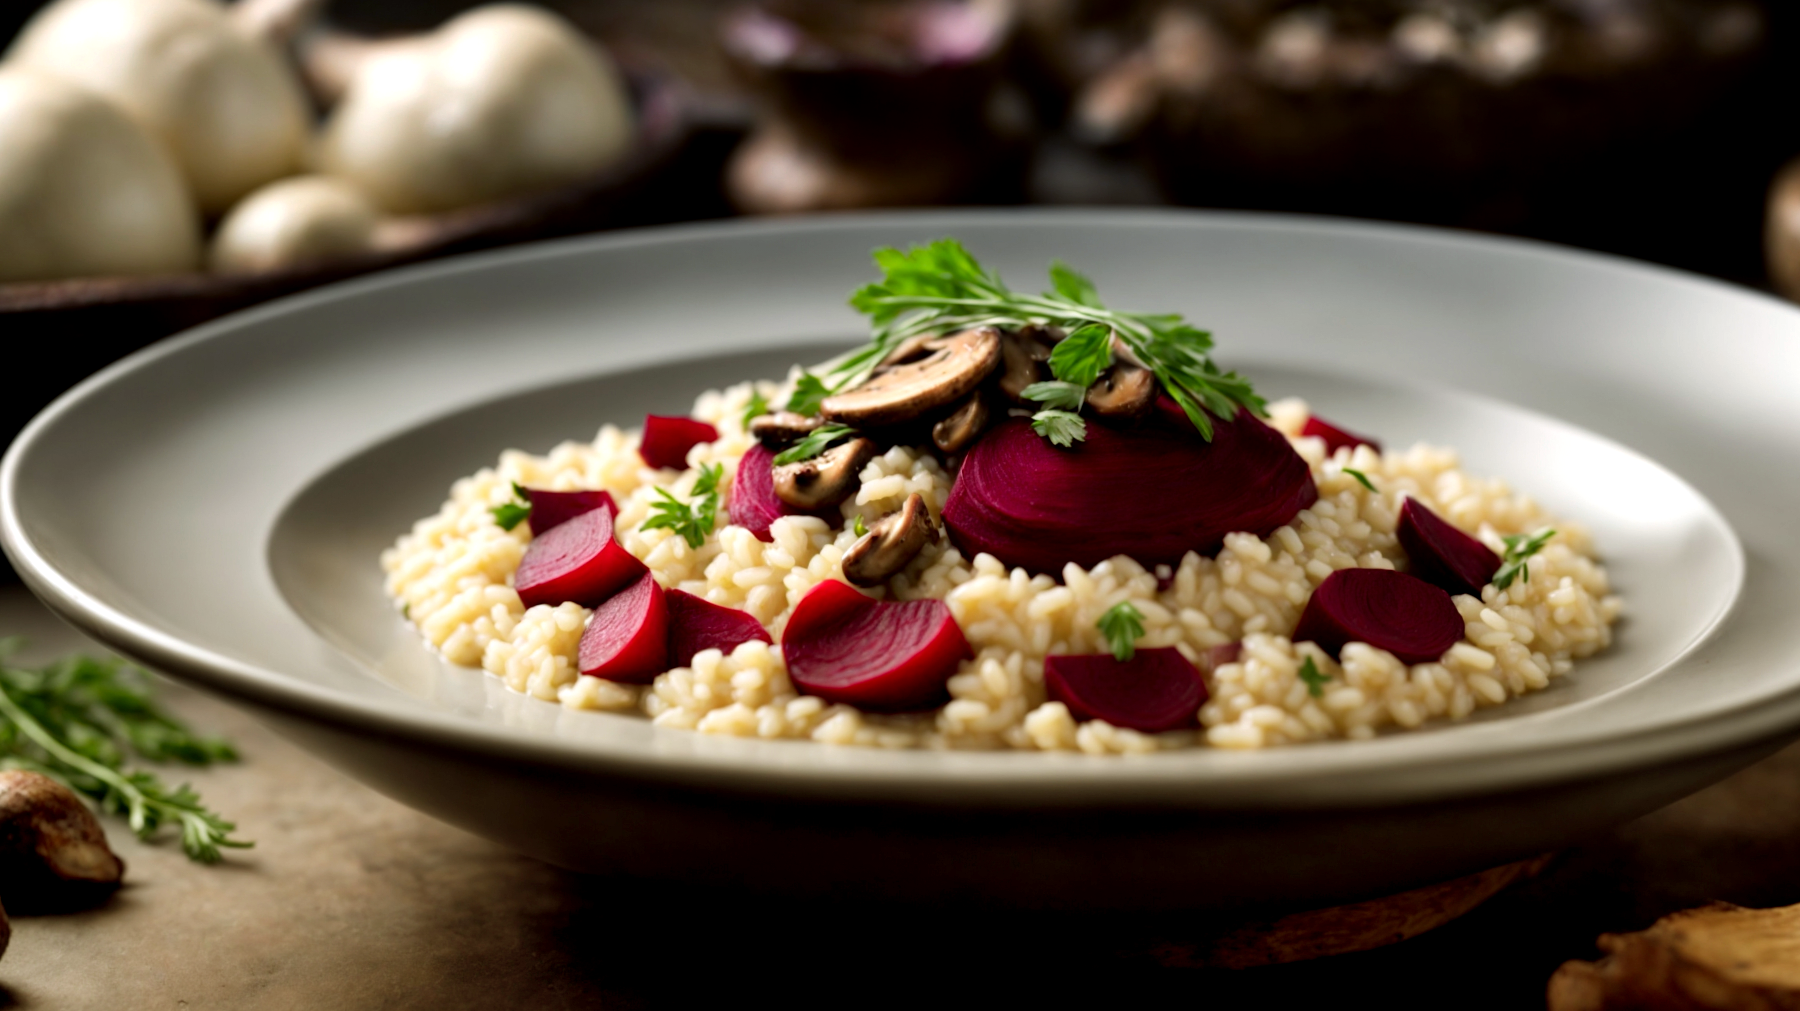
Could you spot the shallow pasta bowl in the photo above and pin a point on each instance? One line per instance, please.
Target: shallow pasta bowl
(214, 507)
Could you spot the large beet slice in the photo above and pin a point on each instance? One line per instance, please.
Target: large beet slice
(627, 639)
(667, 440)
(1402, 614)
(554, 508)
(882, 656)
(1156, 690)
(578, 560)
(1441, 554)
(696, 623)
(1336, 438)
(1153, 493)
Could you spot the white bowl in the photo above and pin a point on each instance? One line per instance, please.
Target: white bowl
(214, 507)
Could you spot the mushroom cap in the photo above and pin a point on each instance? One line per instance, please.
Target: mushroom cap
(1123, 391)
(53, 852)
(304, 219)
(225, 105)
(826, 479)
(84, 190)
(957, 364)
(893, 542)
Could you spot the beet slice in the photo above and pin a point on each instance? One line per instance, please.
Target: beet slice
(1335, 437)
(1441, 554)
(627, 640)
(754, 504)
(1400, 613)
(882, 656)
(1154, 493)
(696, 623)
(577, 560)
(554, 508)
(667, 440)
(1156, 690)
(1212, 658)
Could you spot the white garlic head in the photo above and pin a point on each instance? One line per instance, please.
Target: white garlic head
(84, 190)
(224, 103)
(503, 100)
(293, 222)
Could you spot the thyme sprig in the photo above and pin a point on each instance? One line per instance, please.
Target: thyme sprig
(1519, 549)
(694, 519)
(939, 288)
(79, 719)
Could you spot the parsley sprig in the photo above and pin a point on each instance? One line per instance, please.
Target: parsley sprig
(809, 392)
(77, 721)
(695, 518)
(940, 288)
(1315, 681)
(1520, 548)
(815, 442)
(1123, 626)
(513, 512)
(756, 408)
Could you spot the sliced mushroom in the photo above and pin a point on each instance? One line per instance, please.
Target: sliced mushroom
(826, 479)
(909, 351)
(891, 543)
(53, 852)
(956, 365)
(1023, 357)
(1123, 391)
(954, 433)
(782, 428)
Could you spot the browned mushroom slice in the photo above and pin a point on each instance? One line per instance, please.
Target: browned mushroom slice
(782, 428)
(826, 479)
(1123, 391)
(957, 364)
(890, 544)
(909, 350)
(53, 852)
(1022, 363)
(954, 433)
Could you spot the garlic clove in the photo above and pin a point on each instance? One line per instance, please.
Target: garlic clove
(293, 222)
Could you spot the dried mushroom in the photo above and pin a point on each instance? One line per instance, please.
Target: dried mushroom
(891, 543)
(960, 427)
(955, 366)
(782, 428)
(826, 479)
(53, 852)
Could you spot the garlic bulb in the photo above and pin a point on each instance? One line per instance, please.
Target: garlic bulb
(224, 103)
(500, 101)
(304, 219)
(83, 189)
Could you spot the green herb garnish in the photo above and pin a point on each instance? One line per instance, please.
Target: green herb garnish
(809, 392)
(1315, 681)
(756, 408)
(1062, 428)
(1060, 395)
(860, 528)
(512, 513)
(1123, 626)
(816, 441)
(940, 288)
(79, 718)
(1519, 548)
(1361, 478)
(695, 518)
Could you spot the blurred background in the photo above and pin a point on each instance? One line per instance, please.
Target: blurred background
(1655, 129)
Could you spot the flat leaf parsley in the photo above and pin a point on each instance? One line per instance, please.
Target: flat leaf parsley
(1123, 626)
(1519, 548)
(695, 518)
(815, 442)
(514, 512)
(1315, 681)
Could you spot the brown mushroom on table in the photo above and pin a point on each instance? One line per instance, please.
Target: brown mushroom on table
(892, 542)
(955, 366)
(826, 479)
(53, 852)
(959, 428)
(783, 428)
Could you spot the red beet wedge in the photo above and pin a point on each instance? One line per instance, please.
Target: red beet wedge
(1441, 554)
(1153, 493)
(554, 508)
(627, 640)
(1213, 658)
(667, 440)
(1335, 437)
(878, 655)
(754, 504)
(1402, 614)
(576, 560)
(1155, 690)
(696, 623)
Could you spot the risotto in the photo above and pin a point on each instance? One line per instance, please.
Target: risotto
(1230, 609)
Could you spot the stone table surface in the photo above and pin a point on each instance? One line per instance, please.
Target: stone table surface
(350, 900)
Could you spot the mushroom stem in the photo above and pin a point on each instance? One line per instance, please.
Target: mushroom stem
(893, 542)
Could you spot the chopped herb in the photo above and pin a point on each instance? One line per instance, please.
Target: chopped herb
(512, 513)
(1361, 478)
(406, 611)
(1519, 548)
(816, 441)
(940, 288)
(1315, 681)
(859, 526)
(694, 519)
(1059, 395)
(809, 392)
(79, 718)
(1062, 428)
(756, 408)
(1123, 626)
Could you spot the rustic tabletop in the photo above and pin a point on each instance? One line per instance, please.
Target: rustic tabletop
(350, 900)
